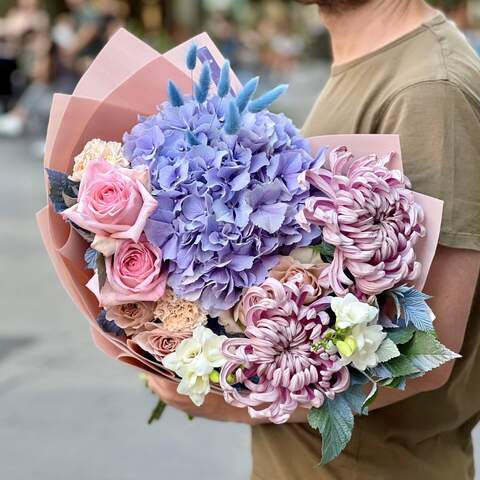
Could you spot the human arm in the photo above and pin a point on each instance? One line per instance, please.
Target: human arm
(439, 128)
(451, 281)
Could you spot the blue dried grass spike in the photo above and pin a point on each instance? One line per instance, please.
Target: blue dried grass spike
(192, 139)
(201, 88)
(224, 82)
(232, 119)
(246, 93)
(176, 97)
(191, 59)
(267, 99)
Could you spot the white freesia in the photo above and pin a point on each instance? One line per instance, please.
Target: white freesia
(194, 360)
(350, 311)
(368, 339)
(364, 334)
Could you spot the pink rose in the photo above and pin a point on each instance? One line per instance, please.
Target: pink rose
(158, 341)
(134, 274)
(113, 203)
(131, 316)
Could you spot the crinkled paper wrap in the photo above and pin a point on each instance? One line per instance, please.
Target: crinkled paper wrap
(127, 79)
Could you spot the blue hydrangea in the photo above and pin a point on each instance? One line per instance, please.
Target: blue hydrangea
(226, 203)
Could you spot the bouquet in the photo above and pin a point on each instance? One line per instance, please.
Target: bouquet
(207, 241)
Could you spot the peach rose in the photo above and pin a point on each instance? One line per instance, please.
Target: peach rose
(159, 341)
(288, 267)
(113, 202)
(131, 316)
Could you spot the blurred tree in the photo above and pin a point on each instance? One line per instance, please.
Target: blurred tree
(448, 5)
(53, 6)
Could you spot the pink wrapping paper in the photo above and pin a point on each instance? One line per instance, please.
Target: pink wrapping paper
(128, 79)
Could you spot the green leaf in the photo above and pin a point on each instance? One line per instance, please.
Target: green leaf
(399, 383)
(85, 234)
(102, 271)
(157, 412)
(425, 352)
(399, 336)
(387, 351)
(401, 366)
(334, 420)
(325, 250)
(371, 396)
(356, 397)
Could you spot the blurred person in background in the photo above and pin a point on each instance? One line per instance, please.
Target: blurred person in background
(48, 76)
(400, 67)
(18, 31)
(59, 60)
(26, 19)
(87, 38)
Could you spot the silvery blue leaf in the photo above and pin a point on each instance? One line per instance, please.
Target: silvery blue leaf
(413, 308)
(91, 256)
(109, 326)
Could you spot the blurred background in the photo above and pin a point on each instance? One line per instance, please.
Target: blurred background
(66, 410)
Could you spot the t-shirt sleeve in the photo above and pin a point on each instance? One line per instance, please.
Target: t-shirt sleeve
(439, 128)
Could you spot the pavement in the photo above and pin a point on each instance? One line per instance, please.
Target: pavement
(66, 410)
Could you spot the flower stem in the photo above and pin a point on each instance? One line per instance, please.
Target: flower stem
(157, 412)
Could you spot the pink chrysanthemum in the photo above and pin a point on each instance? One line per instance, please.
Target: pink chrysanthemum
(369, 214)
(276, 364)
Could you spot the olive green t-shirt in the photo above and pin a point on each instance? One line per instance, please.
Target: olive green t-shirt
(425, 86)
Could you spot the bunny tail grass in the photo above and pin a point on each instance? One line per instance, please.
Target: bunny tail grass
(267, 99)
(246, 94)
(176, 97)
(192, 139)
(191, 59)
(201, 88)
(232, 119)
(224, 82)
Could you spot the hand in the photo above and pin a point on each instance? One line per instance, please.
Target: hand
(214, 407)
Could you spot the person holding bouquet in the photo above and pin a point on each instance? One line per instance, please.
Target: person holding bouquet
(399, 67)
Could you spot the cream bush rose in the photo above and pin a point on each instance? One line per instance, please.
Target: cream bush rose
(95, 149)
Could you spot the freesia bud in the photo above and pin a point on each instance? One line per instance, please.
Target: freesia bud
(344, 348)
(215, 377)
